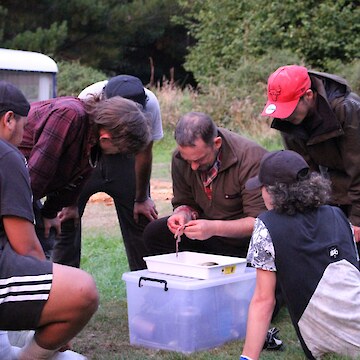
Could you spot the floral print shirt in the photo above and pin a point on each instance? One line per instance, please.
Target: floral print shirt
(261, 253)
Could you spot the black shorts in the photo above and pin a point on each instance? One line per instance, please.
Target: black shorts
(25, 284)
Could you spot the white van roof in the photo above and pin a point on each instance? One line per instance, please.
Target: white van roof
(26, 61)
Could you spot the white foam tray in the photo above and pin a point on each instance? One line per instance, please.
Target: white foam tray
(193, 264)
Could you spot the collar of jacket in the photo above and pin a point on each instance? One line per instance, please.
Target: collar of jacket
(229, 157)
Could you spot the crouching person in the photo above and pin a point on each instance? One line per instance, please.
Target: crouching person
(54, 300)
(309, 248)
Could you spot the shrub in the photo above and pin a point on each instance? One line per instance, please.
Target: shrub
(175, 102)
(351, 72)
(73, 77)
(225, 103)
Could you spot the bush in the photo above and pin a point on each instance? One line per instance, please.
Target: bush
(351, 72)
(175, 102)
(73, 77)
(234, 99)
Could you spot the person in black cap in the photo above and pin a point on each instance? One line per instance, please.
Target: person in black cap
(309, 248)
(32, 288)
(125, 178)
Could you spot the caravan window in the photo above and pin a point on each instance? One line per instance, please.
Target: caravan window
(34, 73)
(35, 86)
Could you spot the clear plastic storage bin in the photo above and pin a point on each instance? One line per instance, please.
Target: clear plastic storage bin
(186, 314)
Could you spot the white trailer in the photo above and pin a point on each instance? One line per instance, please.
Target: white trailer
(34, 73)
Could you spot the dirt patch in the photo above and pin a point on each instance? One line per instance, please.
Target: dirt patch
(100, 211)
(161, 190)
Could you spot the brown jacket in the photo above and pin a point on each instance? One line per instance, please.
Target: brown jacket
(330, 140)
(240, 161)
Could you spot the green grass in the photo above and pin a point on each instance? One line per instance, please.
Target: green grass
(106, 337)
(105, 258)
(163, 148)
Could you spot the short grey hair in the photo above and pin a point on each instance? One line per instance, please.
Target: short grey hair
(193, 126)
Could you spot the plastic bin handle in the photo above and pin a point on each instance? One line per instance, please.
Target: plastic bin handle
(152, 279)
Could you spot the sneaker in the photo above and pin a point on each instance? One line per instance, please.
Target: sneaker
(15, 351)
(68, 355)
(20, 338)
(272, 342)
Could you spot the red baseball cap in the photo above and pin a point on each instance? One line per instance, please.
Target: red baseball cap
(285, 88)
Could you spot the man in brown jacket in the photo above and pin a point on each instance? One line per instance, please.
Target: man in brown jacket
(319, 117)
(209, 169)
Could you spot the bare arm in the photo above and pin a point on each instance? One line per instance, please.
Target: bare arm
(143, 204)
(357, 233)
(204, 229)
(260, 312)
(67, 213)
(22, 237)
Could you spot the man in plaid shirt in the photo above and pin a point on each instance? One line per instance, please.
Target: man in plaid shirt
(62, 142)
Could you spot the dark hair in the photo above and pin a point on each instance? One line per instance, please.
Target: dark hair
(305, 195)
(124, 119)
(16, 116)
(193, 126)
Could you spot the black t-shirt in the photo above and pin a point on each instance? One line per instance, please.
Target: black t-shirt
(15, 190)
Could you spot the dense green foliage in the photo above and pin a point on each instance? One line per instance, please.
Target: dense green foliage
(232, 47)
(110, 35)
(238, 44)
(151, 38)
(73, 77)
(321, 33)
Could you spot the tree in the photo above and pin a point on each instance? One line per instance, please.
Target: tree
(230, 32)
(73, 77)
(114, 36)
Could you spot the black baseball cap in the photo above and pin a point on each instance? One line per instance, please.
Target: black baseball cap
(126, 86)
(12, 99)
(284, 166)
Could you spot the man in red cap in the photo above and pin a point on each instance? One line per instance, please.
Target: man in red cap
(319, 117)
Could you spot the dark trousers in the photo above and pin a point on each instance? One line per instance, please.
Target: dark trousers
(114, 175)
(160, 240)
(46, 243)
